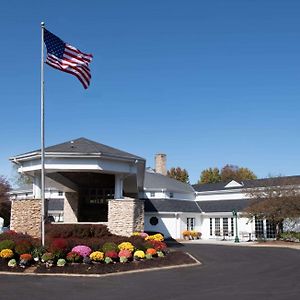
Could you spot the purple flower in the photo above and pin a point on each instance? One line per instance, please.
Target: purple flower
(82, 250)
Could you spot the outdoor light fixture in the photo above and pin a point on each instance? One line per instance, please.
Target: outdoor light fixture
(236, 239)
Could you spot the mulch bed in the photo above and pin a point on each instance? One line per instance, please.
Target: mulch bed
(172, 259)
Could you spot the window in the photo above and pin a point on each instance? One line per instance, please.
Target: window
(190, 223)
(232, 227)
(225, 226)
(153, 221)
(171, 195)
(217, 227)
(152, 194)
(60, 193)
(259, 228)
(271, 229)
(210, 226)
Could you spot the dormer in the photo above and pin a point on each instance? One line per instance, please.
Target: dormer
(233, 184)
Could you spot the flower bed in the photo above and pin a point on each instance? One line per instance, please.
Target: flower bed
(85, 255)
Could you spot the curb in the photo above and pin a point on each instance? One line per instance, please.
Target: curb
(196, 263)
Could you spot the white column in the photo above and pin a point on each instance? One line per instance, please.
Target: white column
(118, 186)
(37, 190)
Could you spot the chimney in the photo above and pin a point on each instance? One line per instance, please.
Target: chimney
(160, 163)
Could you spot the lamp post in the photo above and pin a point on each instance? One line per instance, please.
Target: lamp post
(236, 239)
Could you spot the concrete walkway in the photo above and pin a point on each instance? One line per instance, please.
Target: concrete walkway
(276, 244)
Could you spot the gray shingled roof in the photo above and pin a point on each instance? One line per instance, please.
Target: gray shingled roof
(85, 146)
(224, 205)
(167, 205)
(247, 183)
(156, 181)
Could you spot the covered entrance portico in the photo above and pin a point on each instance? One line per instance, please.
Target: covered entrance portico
(100, 183)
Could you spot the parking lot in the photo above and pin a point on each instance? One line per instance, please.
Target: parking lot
(226, 272)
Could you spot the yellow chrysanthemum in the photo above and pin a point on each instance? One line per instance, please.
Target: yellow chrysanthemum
(97, 256)
(139, 254)
(126, 246)
(156, 237)
(6, 253)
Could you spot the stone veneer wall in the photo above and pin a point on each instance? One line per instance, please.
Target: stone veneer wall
(71, 207)
(125, 216)
(26, 216)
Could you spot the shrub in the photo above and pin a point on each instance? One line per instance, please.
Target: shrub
(290, 236)
(97, 256)
(73, 257)
(110, 246)
(126, 246)
(59, 246)
(100, 231)
(82, 250)
(76, 231)
(7, 244)
(47, 256)
(6, 253)
(23, 246)
(37, 252)
(17, 237)
(139, 243)
(112, 254)
(125, 253)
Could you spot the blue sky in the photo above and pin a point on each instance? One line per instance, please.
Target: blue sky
(208, 83)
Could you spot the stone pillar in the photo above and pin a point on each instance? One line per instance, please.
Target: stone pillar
(71, 208)
(26, 216)
(125, 216)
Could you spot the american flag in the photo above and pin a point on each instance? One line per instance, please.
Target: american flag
(67, 58)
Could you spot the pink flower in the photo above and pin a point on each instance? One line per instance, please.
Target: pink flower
(125, 253)
(82, 250)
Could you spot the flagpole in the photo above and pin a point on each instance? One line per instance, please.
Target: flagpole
(42, 140)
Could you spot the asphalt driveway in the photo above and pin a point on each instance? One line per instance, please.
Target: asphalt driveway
(227, 273)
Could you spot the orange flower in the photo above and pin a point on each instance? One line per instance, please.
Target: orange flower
(151, 251)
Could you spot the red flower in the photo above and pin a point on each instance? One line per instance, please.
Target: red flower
(26, 257)
(112, 254)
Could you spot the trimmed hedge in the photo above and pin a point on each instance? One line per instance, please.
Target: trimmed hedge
(76, 230)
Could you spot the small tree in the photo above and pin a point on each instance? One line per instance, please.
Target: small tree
(179, 174)
(277, 200)
(210, 175)
(4, 200)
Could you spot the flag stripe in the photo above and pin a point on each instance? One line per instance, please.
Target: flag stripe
(68, 69)
(67, 58)
(73, 72)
